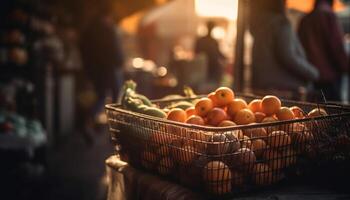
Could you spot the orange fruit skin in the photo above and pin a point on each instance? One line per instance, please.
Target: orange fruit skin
(177, 114)
(213, 98)
(255, 105)
(226, 123)
(278, 139)
(203, 106)
(270, 105)
(269, 119)
(259, 116)
(244, 116)
(285, 113)
(224, 96)
(216, 116)
(195, 119)
(190, 111)
(235, 106)
(317, 112)
(258, 146)
(298, 112)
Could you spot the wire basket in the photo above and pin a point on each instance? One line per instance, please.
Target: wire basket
(229, 159)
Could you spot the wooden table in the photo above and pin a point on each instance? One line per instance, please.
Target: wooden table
(128, 183)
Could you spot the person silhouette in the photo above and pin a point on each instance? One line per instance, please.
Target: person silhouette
(279, 63)
(208, 46)
(322, 39)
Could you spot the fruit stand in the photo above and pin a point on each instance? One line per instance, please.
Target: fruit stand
(228, 146)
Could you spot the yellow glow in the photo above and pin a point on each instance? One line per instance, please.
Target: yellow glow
(217, 8)
(138, 62)
(162, 71)
(218, 33)
(130, 24)
(202, 30)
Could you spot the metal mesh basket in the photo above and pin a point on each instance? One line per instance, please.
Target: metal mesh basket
(229, 159)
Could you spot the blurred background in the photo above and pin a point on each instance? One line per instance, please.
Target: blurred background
(62, 60)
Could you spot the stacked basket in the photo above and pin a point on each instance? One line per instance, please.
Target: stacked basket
(221, 160)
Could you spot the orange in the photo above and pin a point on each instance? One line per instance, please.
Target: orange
(317, 112)
(259, 116)
(278, 139)
(298, 112)
(195, 119)
(258, 146)
(245, 158)
(289, 156)
(269, 119)
(235, 106)
(244, 116)
(224, 96)
(246, 142)
(216, 116)
(256, 133)
(274, 159)
(190, 111)
(255, 105)
(262, 174)
(227, 123)
(177, 114)
(216, 171)
(203, 106)
(270, 105)
(285, 113)
(213, 98)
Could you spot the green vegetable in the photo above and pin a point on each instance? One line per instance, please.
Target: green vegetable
(155, 112)
(182, 104)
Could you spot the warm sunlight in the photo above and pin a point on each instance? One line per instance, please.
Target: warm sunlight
(217, 8)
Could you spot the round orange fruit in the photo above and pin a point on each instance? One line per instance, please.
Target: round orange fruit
(203, 106)
(255, 105)
(258, 146)
(224, 96)
(298, 112)
(244, 116)
(262, 174)
(190, 111)
(285, 113)
(317, 112)
(226, 123)
(235, 106)
(177, 114)
(216, 116)
(256, 133)
(278, 139)
(213, 98)
(269, 119)
(259, 117)
(195, 119)
(270, 105)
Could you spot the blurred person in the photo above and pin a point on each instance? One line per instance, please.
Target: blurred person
(102, 57)
(208, 46)
(322, 38)
(279, 64)
(71, 66)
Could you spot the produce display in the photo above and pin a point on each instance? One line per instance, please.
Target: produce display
(222, 141)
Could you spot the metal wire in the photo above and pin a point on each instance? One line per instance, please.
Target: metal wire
(231, 159)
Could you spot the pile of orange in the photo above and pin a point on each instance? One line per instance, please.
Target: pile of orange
(274, 147)
(221, 108)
